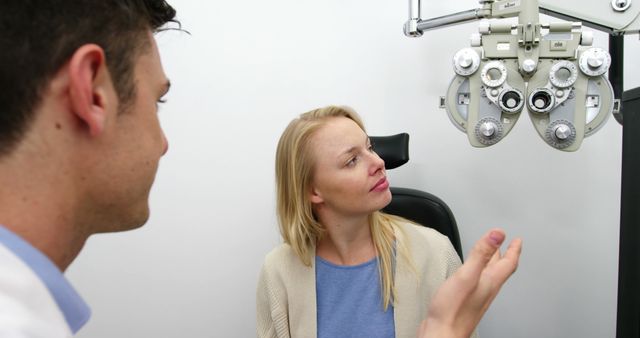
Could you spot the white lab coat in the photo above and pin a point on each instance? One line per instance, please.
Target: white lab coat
(27, 308)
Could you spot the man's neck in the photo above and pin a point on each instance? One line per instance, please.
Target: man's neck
(35, 205)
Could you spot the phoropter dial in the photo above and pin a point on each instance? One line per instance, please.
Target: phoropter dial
(494, 74)
(563, 74)
(466, 62)
(594, 61)
(560, 134)
(488, 131)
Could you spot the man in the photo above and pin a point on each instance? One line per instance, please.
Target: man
(80, 143)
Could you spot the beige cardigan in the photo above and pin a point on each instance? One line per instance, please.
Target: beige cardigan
(286, 295)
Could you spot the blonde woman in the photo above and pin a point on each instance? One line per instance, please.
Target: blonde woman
(346, 269)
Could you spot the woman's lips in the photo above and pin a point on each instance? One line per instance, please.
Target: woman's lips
(381, 185)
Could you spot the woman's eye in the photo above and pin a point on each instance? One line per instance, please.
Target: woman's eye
(352, 161)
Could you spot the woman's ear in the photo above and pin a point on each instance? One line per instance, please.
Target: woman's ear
(315, 196)
(89, 86)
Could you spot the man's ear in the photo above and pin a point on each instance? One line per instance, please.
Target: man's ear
(89, 85)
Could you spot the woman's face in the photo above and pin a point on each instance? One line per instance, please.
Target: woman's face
(349, 177)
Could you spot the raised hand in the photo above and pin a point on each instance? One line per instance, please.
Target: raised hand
(462, 300)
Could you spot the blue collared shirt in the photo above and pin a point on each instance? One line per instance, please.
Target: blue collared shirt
(75, 310)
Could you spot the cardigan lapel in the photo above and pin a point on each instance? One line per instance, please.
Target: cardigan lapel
(407, 307)
(302, 301)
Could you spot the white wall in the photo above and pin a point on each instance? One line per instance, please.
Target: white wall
(251, 66)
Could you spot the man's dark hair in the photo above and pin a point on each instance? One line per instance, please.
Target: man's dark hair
(37, 37)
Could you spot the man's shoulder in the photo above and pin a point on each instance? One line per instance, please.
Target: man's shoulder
(25, 302)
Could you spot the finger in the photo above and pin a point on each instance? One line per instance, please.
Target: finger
(495, 258)
(514, 249)
(513, 252)
(508, 264)
(483, 251)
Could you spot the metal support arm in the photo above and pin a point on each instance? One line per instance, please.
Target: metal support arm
(415, 26)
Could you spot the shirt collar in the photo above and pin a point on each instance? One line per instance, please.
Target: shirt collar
(75, 310)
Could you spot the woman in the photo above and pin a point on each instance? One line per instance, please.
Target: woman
(346, 269)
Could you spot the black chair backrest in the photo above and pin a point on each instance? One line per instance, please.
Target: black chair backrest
(425, 209)
(393, 149)
(415, 205)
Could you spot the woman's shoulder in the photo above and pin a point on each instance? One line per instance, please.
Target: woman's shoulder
(283, 269)
(280, 254)
(422, 235)
(429, 248)
(282, 259)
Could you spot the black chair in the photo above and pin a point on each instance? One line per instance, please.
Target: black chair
(415, 205)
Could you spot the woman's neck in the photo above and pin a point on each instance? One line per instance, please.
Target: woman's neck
(347, 241)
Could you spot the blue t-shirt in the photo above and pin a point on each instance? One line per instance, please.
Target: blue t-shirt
(350, 303)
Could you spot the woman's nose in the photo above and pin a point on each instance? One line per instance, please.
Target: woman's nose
(377, 163)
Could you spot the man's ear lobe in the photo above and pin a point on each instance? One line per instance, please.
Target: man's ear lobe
(89, 84)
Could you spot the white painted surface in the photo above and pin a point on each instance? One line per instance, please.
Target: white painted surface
(251, 66)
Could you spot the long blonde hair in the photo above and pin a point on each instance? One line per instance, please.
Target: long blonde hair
(298, 225)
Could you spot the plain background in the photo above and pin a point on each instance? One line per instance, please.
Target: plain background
(245, 71)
